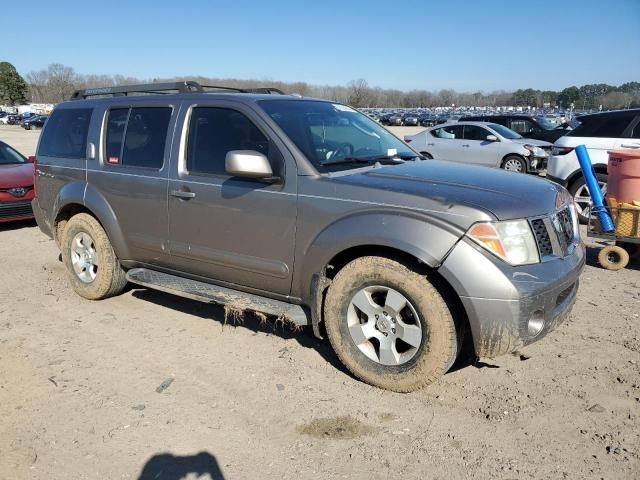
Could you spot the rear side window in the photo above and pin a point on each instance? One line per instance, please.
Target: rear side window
(604, 126)
(215, 131)
(451, 132)
(65, 135)
(136, 137)
(636, 130)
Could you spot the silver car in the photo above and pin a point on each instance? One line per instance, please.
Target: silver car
(482, 143)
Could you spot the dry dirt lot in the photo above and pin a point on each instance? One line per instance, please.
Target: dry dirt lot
(146, 385)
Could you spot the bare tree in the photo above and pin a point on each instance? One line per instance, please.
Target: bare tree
(359, 93)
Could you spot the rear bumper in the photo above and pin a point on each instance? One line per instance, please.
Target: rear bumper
(503, 303)
(41, 218)
(12, 211)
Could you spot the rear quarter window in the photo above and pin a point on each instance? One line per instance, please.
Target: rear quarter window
(604, 127)
(65, 134)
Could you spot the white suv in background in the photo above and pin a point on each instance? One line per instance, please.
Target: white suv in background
(599, 132)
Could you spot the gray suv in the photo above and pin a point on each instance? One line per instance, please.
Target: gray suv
(310, 211)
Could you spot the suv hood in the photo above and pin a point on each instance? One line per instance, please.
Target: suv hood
(16, 175)
(450, 187)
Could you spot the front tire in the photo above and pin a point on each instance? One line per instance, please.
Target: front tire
(388, 325)
(92, 266)
(514, 163)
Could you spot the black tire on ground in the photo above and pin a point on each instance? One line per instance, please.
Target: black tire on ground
(110, 278)
(438, 346)
(613, 257)
(578, 186)
(515, 159)
(427, 155)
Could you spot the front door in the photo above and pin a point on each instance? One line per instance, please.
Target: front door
(231, 230)
(480, 150)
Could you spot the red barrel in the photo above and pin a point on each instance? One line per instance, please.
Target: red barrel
(623, 171)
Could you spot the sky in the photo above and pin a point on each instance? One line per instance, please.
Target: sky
(466, 45)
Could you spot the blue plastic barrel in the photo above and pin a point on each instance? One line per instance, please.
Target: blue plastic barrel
(594, 190)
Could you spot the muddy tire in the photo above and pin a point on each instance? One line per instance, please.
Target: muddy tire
(613, 257)
(92, 266)
(368, 296)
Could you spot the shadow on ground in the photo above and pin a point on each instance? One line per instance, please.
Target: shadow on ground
(17, 225)
(304, 336)
(166, 466)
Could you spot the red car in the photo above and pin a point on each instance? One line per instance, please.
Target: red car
(16, 185)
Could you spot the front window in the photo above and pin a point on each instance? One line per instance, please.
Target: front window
(504, 131)
(9, 156)
(333, 136)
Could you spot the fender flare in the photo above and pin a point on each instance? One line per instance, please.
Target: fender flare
(84, 194)
(428, 239)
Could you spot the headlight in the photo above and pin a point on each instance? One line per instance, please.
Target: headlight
(511, 240)
(536, 151)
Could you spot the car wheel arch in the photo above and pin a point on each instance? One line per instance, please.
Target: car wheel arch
(93, 203)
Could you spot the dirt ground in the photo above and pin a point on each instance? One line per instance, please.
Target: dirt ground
(147, 385)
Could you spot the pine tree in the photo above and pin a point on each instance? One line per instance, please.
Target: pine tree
(13, 88)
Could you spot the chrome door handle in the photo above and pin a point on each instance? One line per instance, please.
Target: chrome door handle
(630, 145)
(184, 194)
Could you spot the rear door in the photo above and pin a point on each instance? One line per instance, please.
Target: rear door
(445, 143)
(132, 174)
(237, 231)
(480, 150)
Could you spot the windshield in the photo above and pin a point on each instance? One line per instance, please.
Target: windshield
(333, 136)
(504, 131)
(8, 155)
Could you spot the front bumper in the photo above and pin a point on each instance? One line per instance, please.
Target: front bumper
(13, 211)
(502, 301)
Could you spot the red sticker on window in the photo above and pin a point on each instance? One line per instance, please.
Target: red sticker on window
(113, 160)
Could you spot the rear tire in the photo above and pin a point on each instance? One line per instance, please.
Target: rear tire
(580, 194)
(93, 268)
(415, 312)
(613, 257)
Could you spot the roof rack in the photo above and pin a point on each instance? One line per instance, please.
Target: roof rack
(163, 89)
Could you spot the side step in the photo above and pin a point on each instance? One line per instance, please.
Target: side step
(208, 293)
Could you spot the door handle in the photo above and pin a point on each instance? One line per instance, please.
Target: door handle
(183, 194)
(630, 145)
(431, 144)
(467, 145)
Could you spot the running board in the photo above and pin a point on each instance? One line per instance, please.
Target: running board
(208, 293)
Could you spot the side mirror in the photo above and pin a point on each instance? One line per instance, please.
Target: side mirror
(31, 159)
(492, 138)
(248, 164)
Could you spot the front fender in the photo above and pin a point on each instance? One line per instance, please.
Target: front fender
(427, 239)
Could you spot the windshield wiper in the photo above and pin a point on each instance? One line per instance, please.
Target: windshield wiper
(388, 159)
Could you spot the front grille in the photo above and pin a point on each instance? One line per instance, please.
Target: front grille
(17, 209)
(554, 234)
(542, 237)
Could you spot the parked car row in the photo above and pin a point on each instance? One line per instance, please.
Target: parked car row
(26, 120)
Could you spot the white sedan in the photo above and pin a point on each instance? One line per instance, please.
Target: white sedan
(481, 143)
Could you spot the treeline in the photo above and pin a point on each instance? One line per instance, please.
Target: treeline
(57, 82)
